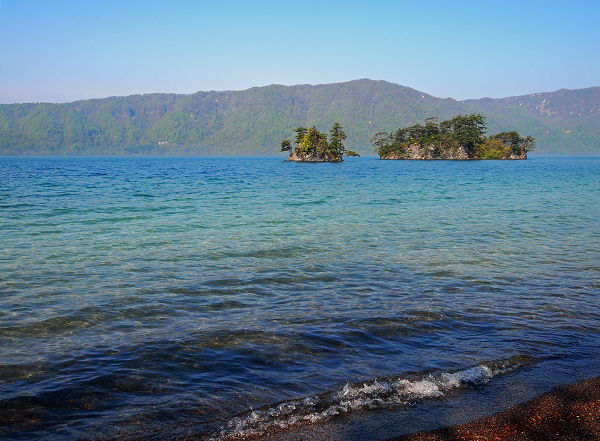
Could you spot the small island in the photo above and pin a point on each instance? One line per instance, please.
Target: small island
(313, 146)
(462, 137)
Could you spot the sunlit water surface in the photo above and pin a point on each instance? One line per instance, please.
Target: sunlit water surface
(165, 297)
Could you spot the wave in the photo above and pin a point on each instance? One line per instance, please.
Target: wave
(373, 394)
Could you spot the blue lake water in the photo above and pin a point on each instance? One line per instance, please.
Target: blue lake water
(162, 298)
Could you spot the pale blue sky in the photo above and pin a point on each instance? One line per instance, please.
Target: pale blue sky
(64, 50)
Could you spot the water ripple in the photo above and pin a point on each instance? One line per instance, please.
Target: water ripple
(170, 295)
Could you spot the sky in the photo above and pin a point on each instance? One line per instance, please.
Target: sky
(67, 50)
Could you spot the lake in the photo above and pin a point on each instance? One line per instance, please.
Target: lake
(164, 298)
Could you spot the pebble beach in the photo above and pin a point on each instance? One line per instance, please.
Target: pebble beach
(566, 413)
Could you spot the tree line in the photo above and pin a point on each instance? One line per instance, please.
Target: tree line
(255, 121)
(462, 131)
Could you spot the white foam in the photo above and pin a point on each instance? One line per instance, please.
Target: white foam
(418, 389)
(477, 375)
(378, 393)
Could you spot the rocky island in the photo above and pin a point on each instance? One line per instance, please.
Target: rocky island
(313, 146)
(462, 137)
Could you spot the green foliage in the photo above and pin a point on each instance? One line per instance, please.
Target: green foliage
(465, 130)
(300, 133)
(177, 127)
(254, 121)
(286, 146)
(336, 140)
(313, 142)
(513, 140)
(387, 144)
(462, 131)
(493, 149)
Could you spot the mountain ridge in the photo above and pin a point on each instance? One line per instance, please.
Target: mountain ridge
(253, 121)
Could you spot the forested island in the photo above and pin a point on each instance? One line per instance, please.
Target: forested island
(462, 137)
(311, 145)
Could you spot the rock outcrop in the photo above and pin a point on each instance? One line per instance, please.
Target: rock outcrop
(415, 151)
(314, 157)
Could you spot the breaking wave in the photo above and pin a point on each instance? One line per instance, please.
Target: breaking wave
(373, 394)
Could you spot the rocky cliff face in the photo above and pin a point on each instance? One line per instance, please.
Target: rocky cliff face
(314, 157)
(430, 152)
(521, 156)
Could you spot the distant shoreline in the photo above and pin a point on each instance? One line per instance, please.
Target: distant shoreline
(252, 121)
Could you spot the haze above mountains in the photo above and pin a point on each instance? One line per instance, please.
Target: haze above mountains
(254, 121)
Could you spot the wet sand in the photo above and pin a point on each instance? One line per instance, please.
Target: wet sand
(566, 413)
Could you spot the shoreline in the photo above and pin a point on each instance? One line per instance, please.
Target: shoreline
(570, 412)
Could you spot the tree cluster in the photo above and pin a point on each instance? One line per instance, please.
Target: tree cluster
(310, 141)
(462, 131)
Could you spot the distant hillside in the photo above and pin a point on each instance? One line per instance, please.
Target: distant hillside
(254, 121)
(565, 121)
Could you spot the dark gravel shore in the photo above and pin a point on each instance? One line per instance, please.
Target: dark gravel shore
(565, 413)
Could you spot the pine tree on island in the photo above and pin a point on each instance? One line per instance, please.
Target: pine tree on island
(462, 137)
(310, 145)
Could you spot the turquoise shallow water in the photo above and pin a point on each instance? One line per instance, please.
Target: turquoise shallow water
(178, 295)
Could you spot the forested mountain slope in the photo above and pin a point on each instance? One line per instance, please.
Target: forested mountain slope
(253, 121)
(565, 121)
